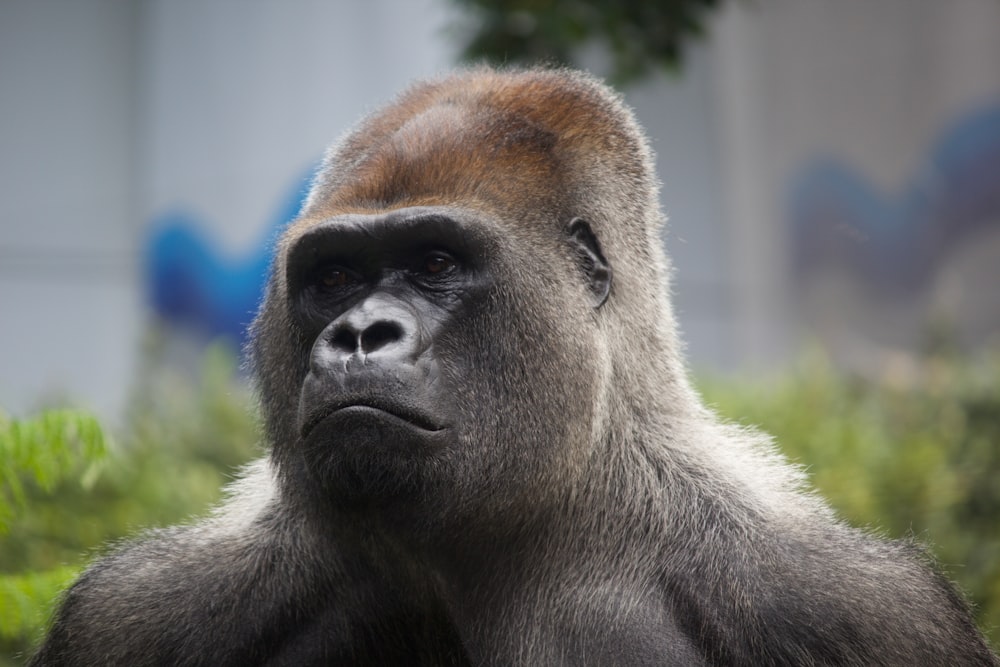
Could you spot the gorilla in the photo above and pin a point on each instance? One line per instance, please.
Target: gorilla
(484, 448)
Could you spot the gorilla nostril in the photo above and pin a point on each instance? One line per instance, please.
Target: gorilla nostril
(344, 339)
(380, 334)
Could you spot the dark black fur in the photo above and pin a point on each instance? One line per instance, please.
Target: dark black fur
(484, 447)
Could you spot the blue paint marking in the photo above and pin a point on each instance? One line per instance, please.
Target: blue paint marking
(895, 244)
(192, 283)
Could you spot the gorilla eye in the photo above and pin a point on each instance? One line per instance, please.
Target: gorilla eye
(438, 264)
(333, 277)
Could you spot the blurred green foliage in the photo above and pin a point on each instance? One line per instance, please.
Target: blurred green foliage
(917, 459)
(183, 440)
(37, 455)
(639, 35)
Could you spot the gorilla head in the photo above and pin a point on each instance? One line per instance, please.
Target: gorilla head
(442, 333)
(484, 448)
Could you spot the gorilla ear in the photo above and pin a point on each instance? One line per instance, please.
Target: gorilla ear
(595, 267)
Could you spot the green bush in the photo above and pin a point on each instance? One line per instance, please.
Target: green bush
(183, 440)
(37, 455)
(919, 459)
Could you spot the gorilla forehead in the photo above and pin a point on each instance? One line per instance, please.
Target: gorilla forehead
(449, 154)
(505, 141)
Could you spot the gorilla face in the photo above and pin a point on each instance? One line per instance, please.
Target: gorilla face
(377, 294)
(420, 359)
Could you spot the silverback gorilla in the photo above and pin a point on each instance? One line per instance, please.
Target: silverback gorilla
(484, 448)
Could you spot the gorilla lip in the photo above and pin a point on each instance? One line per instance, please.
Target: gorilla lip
(401, 413)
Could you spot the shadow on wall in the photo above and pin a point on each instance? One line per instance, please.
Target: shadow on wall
(193, 283)
(913, 260)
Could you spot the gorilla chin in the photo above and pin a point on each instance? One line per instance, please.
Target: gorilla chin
(363, 452)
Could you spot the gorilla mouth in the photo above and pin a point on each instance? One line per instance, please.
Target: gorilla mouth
(377, 409)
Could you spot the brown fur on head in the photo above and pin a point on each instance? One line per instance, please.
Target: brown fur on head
(499, 139)
(549, 141)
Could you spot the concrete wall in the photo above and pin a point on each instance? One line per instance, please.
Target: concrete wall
(861, 168)
(136, 137)
(70, 299)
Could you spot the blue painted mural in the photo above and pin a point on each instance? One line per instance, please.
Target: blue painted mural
(894, 245)
(193, 283)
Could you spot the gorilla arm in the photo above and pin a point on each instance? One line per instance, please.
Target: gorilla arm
(181, 592)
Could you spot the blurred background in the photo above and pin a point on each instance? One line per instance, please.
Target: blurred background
(831, 172)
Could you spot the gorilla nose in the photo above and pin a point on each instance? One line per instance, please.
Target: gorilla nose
(349, 339)
(378, 329)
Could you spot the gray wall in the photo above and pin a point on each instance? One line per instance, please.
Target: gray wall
(70, 304)
(113, 113)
